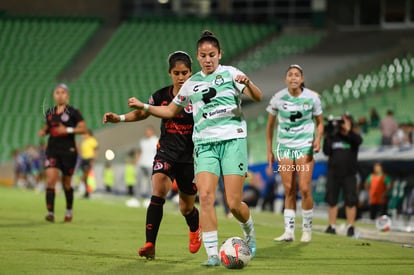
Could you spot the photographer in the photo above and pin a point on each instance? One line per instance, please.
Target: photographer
(341, 145)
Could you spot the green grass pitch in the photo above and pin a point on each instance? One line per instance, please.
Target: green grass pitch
(105, 235)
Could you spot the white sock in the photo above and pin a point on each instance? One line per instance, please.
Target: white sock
(289, 217)
(307, 216)
(248, 227)
(68, 212)
(51, 213)
(210, 240)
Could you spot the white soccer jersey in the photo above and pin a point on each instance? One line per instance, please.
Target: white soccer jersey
(296, 127)
(216, 105)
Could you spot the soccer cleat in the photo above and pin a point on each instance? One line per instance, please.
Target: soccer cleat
(147, 251)
(350, 232)
(68, 218)
(251, 241)
(330, 230)
(50, 218)
(286, 237)
(195, 240)
(306, 237)
(212, 261)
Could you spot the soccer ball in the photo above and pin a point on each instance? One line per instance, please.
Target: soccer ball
(383, 223)
(235, 253)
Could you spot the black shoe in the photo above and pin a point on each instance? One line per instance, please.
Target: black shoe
(330, 230)
(50, 218)
(350, 232)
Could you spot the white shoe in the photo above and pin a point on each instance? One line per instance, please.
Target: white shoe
(306, 237)
(286, 237)
(133, 203)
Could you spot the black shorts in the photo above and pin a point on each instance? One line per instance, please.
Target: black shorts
(86, 165)
(64, 161)
(183, 173)
(347, 184)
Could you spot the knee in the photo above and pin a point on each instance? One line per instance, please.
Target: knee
(306, 192)
(186, 208)
(351, 200)
(206, 198)
(160, 192)
(289, 190)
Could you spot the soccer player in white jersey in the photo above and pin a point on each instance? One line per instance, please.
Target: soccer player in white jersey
(219, 137)
(297, 109)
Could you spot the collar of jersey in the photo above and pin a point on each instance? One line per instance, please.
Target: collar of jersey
(205, 75)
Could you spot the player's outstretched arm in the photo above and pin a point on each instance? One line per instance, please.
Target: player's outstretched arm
(166, 112)
(135, 115)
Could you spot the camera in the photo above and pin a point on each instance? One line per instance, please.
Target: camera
(333, 125)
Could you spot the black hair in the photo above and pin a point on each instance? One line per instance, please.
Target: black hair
(296, 66)
(208, 36)
(179, 56)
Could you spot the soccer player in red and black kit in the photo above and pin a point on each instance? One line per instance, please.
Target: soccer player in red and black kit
(174, 158)
(62, 123)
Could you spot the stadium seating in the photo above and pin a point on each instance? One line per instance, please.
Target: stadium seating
(278, 48)
(399, 73)
(33, 52)
(134, 61)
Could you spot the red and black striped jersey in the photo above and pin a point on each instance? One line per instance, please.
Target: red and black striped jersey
(69, 118)
(175, 143)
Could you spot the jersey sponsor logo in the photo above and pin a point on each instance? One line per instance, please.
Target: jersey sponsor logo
(295, 130)
(215, 112)
(208, 95)
(208, 92)
(295, 115)
(176, 128)
(219, 80)
(64, 117)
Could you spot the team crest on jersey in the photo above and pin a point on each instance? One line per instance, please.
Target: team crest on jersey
(306, 106)
(64, 117)
(158, 166)
(219, 80)
(151, 100)
(189, 108)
